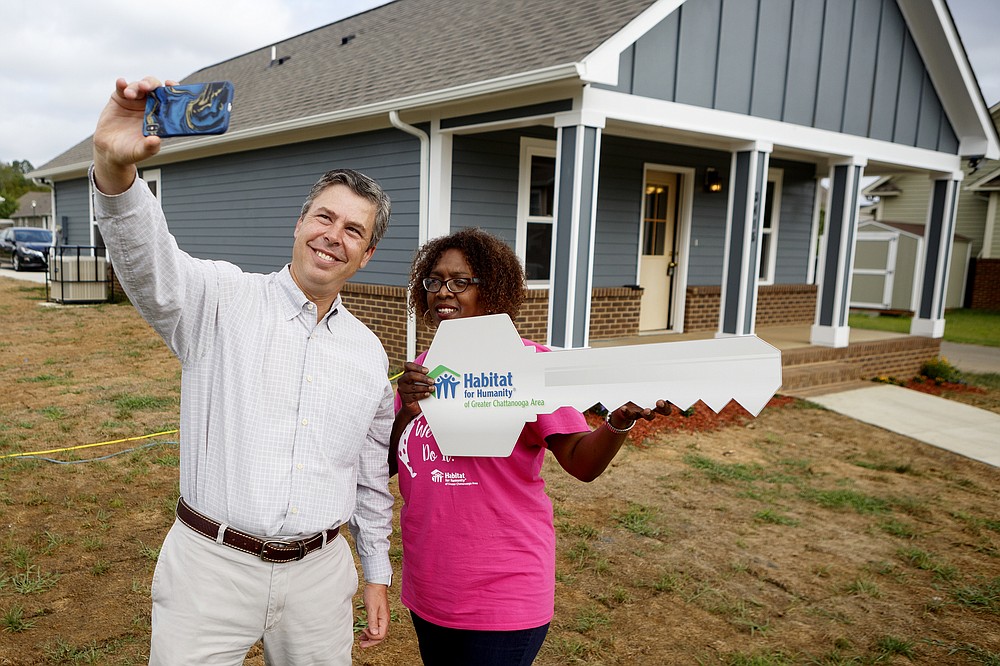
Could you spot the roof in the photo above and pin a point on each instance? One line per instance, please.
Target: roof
(402, 49)
(916, 230)
(409, 54)
(42, 201)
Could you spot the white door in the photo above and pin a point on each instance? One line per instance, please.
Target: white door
(657, 263)
(874, 270)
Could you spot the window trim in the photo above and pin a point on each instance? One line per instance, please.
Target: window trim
(531, 147)
(776, 176)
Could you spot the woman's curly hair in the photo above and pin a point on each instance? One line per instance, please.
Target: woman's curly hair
(501, 286)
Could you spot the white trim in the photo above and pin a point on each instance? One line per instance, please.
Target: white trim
(739, 129)
(439, 196)
(153, 176)
(830, 336)
(775, 175)
(221, 142)
(888, 272)
(932, 28)
(814, 240)
(601, 64)
(685, 194)
(532, 147)
(991, 225)
(422, 213)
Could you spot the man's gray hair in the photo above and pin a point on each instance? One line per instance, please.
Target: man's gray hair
(365, 188)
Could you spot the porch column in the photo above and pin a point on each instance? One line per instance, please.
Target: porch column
(741, 259)
(939, 237)
(836, 255)
(577, 160)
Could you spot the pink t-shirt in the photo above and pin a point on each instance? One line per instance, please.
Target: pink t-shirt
(478, 539)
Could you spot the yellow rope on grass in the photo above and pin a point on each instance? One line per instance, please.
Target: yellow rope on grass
(86, 446)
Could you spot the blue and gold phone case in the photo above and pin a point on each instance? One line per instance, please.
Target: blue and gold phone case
(200, 108)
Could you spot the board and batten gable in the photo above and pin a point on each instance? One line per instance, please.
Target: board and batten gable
(855, 67)
(73, 210)
(242, 207)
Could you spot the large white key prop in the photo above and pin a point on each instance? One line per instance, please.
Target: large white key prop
(488, 384)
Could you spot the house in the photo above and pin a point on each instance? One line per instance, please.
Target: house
(901, 201)
(34, 209)
(654, 162)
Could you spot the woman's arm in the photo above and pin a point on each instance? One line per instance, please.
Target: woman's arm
(586, 455)
(413, 386)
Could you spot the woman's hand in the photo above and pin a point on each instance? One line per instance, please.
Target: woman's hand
(626, 415)
(413, 385)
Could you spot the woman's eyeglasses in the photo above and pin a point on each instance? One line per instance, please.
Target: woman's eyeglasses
(455, 285)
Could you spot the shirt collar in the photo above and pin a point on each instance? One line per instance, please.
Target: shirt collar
(294, 301)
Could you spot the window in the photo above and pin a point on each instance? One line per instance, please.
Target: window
(769, 227)
(536, 205)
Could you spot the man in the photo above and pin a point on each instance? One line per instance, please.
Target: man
(285, 416)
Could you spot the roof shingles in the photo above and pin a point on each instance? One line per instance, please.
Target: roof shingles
(404, 48)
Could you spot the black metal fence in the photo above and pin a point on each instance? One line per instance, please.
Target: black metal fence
(79, 274)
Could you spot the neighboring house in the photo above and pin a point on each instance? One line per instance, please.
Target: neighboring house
(655, 163)
(34, 209)
(902, 199)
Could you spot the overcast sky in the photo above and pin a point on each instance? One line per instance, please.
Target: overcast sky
(63, 56)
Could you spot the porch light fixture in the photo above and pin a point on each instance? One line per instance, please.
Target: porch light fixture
(713, 181)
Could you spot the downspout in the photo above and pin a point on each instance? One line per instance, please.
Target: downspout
(422, 215)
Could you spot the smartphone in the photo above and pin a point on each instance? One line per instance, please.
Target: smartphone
(199, 108)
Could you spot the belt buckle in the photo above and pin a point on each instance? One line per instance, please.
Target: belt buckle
(283, 548)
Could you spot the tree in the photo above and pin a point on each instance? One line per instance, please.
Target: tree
(13, 185)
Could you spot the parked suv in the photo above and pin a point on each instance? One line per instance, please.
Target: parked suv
(25, 247)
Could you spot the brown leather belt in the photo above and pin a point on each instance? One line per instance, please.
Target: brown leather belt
(269, 550)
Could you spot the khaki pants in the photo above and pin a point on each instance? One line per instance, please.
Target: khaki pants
(211, 603)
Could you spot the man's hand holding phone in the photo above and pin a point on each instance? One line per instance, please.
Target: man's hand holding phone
(120, 141)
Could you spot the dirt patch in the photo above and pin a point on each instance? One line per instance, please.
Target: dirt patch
(800, 536)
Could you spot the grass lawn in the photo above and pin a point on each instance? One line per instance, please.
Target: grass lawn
(974, 327)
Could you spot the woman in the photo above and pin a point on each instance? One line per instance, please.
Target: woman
(478, 536)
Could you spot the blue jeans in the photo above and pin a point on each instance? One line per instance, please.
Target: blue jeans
(441, 646)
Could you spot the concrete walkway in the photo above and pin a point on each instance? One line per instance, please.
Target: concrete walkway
(967, 431)
(971, 358)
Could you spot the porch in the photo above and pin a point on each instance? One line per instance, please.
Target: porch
(809, 370)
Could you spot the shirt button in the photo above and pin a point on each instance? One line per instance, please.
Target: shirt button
(310, 307)
(305, 422)
(295, 509)
(299, 466)
(309, 378)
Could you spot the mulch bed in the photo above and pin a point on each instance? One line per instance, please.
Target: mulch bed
(935, 387)
(698, 418)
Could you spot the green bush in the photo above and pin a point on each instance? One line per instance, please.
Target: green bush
(940, 370)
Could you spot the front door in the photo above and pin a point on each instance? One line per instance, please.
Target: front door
(658, 262)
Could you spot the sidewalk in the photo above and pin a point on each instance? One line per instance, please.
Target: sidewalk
(971, 358)
(967, 431)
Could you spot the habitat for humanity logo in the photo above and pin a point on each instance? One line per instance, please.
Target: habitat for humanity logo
(445, 382)
(495, 385)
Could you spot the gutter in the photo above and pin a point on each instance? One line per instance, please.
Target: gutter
(498, 85)
(422, 215)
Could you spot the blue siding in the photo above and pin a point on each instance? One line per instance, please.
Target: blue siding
(73, 211)
(798, 192)
(619, 205)
(841, 65)
(484, 182)
(242, 207)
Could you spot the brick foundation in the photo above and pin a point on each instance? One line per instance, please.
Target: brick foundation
(900, 357)
(614, 314)
(777, 305)
(986, 287)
